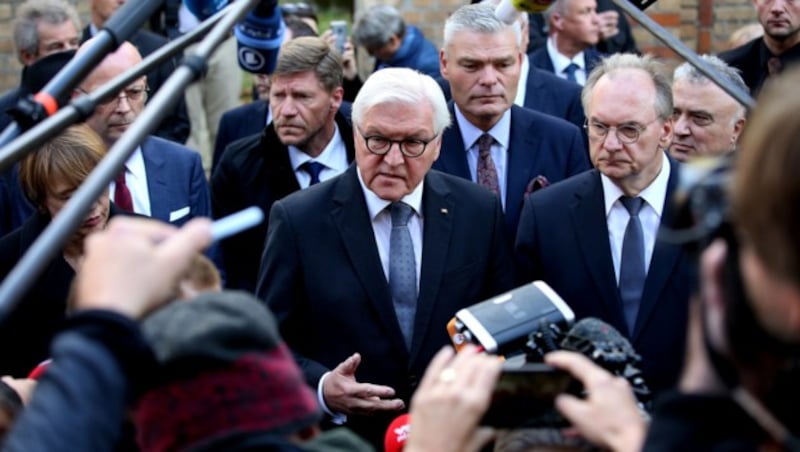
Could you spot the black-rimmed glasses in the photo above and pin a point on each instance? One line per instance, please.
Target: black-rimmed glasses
(409, 147)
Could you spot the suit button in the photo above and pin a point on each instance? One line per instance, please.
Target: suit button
(413, 381)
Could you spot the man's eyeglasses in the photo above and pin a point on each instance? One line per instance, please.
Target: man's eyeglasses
(410, 147)
(132, 94)
(627, 133)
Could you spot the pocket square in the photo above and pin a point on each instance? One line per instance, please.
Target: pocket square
(178, 214)
(537, 183)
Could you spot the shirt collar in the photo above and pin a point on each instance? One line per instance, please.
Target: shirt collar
(523, 81)
(560, 61)
(327, 157)
(501, 131)
(135, 164)
(376, 205)
(654, 194)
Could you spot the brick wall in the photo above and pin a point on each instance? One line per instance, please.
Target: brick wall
(702, 25)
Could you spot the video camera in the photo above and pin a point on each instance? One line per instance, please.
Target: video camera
(522, 326)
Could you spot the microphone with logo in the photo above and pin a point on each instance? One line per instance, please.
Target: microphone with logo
(258, 36)
(397, 433)
(522, 326)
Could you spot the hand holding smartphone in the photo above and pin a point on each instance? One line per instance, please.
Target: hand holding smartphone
(339, 30)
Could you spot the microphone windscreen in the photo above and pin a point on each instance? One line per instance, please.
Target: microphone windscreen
(258, 40)
(203, 9)
(509, 10)
(595, 331)
(397, 433)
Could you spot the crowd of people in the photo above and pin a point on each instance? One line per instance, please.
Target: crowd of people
(547, 149)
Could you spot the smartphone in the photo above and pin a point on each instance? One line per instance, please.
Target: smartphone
(524, 396)
(339, 29)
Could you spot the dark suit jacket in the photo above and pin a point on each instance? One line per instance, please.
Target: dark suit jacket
(563, 240)
(751, 59)
(256, 171)
(244, 121)
(175, 126)
(541, 59)
(322, 277)
(547, 93)
(540, 145)
(176, 182)
(33, 322)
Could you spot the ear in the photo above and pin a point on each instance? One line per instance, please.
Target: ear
(337, 95)
(443, 64)
(27, 57)
(557, 21)
(737, 130)
(667, 130)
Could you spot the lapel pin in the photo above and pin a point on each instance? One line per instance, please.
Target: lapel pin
(444, 211)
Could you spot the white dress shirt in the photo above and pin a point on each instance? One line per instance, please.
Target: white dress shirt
(382, 229)
(560, 62)
(617, 215)
(333, 158)
(501, 132)
(136, 180)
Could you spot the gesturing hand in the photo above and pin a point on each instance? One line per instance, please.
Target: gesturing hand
(343, 394)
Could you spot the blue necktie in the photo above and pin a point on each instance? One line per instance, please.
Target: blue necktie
(570, 71)
(313, 169)
(632, 268)
(403, 270)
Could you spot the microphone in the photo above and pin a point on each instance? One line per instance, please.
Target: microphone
(609, 349)
(259, 37)
(203, 9)
(397, 433)
(509, 10)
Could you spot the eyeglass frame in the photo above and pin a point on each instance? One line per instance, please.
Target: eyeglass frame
(400, 144)
(122, 94)
(622, 139)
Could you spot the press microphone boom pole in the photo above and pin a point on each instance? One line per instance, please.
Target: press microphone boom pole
(72, 215)
(678, 47)
(122, 24)
(83, 106)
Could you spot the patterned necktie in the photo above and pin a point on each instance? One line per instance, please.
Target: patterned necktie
(487, 172)
(632, 268)
(313, 169)
(570, 71)
(403, 270)
(122, 196)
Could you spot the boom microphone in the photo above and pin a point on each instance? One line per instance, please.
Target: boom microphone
(259, 37)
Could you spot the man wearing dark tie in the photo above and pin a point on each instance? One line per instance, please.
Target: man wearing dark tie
(308, 140)
(364, 271)
(493, 142)
(593, 237)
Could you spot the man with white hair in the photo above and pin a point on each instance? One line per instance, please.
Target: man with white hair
(364, 271)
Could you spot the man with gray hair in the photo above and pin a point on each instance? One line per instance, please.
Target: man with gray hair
(385, 35)
(707, 120)
(508, 149)
(363, 272)
(593, 236)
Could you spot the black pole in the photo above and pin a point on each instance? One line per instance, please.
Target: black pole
(689, 55)
(18, 282)
(83, 106)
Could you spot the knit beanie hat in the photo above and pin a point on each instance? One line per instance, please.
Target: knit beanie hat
(225, 371)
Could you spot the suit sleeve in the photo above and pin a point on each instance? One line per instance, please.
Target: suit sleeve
(526, 252)
(280, 286)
